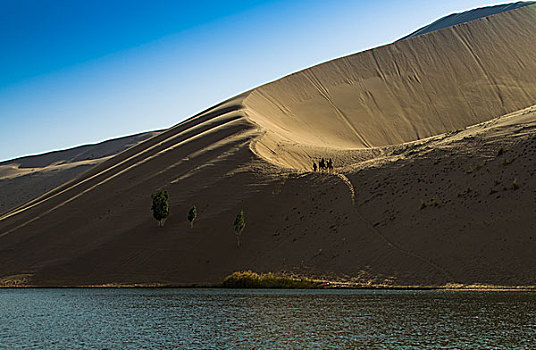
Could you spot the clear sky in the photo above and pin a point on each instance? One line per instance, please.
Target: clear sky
(74, 72)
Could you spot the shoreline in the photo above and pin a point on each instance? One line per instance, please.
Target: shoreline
(469, 288)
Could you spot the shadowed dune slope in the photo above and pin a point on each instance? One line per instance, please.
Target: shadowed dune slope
(433, 139)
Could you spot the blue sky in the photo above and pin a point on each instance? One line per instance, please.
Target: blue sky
(74, 72)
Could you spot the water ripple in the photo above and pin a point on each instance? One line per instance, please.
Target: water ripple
(264, 319)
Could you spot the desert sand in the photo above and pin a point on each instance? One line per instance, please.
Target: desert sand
(467, 16)
(25, 178)
(434, 144)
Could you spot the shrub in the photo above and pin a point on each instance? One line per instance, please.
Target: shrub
(423, 204)
(515, 185)
(507, 161)
(239, 225)
(160, 206)
(249, 279)
(192, 215)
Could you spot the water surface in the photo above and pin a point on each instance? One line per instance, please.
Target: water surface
(265, 319)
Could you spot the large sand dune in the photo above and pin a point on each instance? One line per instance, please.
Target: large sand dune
(420, 195)
(413, 89)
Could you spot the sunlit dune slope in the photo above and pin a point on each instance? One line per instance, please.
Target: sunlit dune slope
(433, 140)
(25, 178)
(467, 16)
(402, 92)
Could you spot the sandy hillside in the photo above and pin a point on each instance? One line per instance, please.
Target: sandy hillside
(471, 15)
(25, 178)
(433, 139)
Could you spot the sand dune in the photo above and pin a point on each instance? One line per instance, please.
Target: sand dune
(413, 89)
(467, 16)
(433, 139)
(25, 178)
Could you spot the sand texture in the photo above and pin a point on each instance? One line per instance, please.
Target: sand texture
(434, 144)
(459, 18)
(25, 178)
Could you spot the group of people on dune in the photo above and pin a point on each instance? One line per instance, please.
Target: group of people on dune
(323, 165)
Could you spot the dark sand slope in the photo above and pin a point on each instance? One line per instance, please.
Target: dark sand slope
(447, 209)
(25, 178)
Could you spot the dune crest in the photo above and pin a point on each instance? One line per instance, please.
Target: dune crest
(467, 16)
(25, 178)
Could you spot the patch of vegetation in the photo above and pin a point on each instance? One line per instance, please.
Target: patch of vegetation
(239, 225)
(454, 132)
(423, 204)
(249, 279)
(160, 206)
(501, 151)
(477, 167)
(507, 161)
(433, 202)
(515, 185)
(412, 148)
(192, 215)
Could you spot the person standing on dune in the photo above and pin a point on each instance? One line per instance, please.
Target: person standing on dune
(330, 165)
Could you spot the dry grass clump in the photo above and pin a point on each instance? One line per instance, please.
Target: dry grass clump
(424, 204)
(249, 279)
(515, 185)
(507, 161)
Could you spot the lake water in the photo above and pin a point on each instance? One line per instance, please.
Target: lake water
(265, 319)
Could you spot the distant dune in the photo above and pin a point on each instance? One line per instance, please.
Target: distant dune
(25, 178)
(433, 140)
(467, 16)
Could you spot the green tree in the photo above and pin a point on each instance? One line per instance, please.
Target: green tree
(239, 225)
(160, 206)
(192, 215)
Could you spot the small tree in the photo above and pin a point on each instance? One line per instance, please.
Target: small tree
(239, 225)
(160, 206)
(192, 215)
